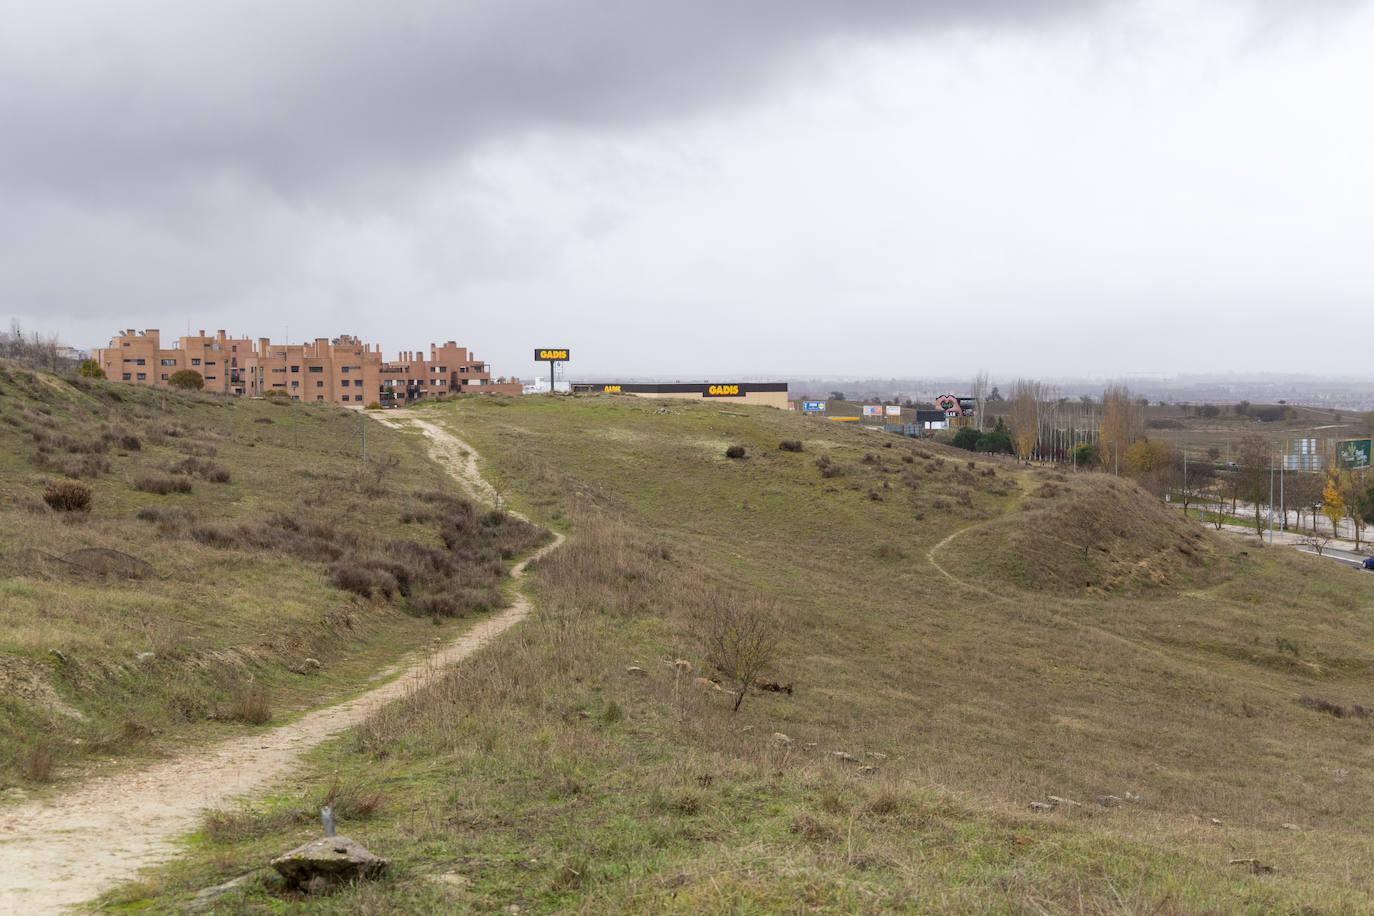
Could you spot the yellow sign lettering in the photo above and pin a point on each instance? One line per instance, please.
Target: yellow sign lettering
(611, 388)
(722, 390)
(553, 354)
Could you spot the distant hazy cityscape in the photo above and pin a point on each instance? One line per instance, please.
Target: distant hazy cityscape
(1341, 393)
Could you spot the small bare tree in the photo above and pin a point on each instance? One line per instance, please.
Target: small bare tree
(1316, 540)
(740, 643)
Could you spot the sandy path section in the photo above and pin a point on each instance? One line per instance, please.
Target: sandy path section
(58, 853)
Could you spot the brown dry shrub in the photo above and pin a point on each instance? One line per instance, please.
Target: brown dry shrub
(252, 705)
(162, 484)
(68, 496)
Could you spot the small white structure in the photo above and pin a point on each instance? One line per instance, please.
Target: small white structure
(541, 386)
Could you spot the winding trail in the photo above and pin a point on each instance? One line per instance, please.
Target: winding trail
(61, 852)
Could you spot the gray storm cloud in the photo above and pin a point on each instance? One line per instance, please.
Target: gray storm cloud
(771, 164)
(100, 100)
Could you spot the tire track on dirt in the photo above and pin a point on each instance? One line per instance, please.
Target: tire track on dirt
(60, 852)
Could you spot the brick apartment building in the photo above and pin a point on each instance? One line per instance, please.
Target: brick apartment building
(343, 370)
(449, 369)
(140, 358)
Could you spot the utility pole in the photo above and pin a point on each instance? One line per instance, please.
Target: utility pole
(363, 417)
(1271, 496)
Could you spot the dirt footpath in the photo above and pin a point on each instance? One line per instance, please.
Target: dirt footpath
(59, 853)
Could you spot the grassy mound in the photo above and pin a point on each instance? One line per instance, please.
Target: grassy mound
(1087, 533)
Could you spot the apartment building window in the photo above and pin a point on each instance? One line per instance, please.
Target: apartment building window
(317, 368)
(143, 376)
(295, 384)
(126, 377)
(164, 376)
(319, 397)
(209, 362)
(319, 384)
(169, 362)
(210, 378)
(343, 368)
(296, 369)
(279, 370)
(462, 368)
(195, 362)
(124, 344)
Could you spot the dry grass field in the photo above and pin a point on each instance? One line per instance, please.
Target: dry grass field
(208, 569)
(962, 639)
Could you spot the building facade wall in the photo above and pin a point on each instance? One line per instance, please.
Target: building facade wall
(340, 371)
(446, 369)
(140, 358)
(757, 394)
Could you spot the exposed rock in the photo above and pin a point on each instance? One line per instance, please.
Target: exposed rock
(869, 770)
(145, 656)
(781, 738)
(1214, 822)
(810, 745)
(842, 755)
(702, 683)
(635, 669)
(1109, 801)
(311, 664)
(1041, 806)
(1056, 800)
(1132, 797)
(748, 729)
(326, 863)
(877, 756)
(211, 894)
(1289, 827)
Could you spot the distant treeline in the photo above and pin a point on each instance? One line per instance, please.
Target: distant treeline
(33, 350)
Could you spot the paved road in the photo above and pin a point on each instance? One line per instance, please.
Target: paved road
(1335, 553)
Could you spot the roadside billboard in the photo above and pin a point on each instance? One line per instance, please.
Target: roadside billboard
(1353, 453)
(813, 406)
(873, 410)
(552, 355)
(894, 410)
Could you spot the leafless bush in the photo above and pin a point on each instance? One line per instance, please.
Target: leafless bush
(363, 579)
(1318, 542)
(206, 470)
(1332, 709)
(790, 445)
(739, 642)
(162, 484)
(38, 762)
(735, 451)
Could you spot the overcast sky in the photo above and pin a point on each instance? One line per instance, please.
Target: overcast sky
(703, 189)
